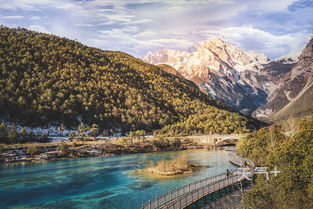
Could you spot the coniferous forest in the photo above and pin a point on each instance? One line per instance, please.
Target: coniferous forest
(292, 155)
(45, 79)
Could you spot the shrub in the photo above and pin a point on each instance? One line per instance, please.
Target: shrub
(63, 150)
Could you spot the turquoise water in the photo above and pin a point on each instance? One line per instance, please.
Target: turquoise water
(103, 182)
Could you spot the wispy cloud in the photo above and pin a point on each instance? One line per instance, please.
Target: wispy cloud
(39, 28)
(251, 38)
(35, 18)
(36, 5)
(13, 17)
(84, 25)
(271, 27)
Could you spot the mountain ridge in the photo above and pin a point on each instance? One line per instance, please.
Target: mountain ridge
(295, 88)
(247, 81)
(215, 67)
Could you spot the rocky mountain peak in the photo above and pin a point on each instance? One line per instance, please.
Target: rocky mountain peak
(293, 96)
(246, 80)
(215, 41)
(212, 55)
(216, 67)
(305, 62)
(289, 58)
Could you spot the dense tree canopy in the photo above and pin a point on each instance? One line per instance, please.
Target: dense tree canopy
(293, 156)
(47, 79)
(208, 121)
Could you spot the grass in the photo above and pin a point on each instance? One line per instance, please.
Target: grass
(175, 166)
(164, 169)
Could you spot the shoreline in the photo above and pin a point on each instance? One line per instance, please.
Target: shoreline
(109, 155)
(42, 152)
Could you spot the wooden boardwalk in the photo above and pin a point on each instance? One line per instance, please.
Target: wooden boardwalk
(188, 194)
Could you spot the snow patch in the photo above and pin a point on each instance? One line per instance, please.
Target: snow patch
(289, 58)
(263, 113)
(48, 130)
(287, 93)
(210, 90)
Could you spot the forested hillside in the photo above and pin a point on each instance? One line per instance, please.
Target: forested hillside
(208, 121)
(45, 79)
(292, 155)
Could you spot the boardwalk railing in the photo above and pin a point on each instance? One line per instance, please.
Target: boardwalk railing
(166, 198)
(191, 197)
(186, 195)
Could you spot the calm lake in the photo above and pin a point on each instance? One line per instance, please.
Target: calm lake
(103, 182)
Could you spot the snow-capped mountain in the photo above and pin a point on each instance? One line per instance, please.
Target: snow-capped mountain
(247, 81)
(212, 56)
(217, 68)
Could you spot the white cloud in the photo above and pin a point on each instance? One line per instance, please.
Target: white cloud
(64, 5)
(35, 18)
(142, 21)
(13, 17)
(135, 26)
(84, 25)
(99, 43)
(117, 3)
(36, 5)
(39, 28)
(146, 34)
(171, 41)
(23, 4)
(250, 38)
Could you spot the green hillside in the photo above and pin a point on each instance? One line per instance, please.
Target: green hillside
(45, 79)
(292, 155)
(208, 121)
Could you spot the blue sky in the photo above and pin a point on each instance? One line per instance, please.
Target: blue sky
(272, 27)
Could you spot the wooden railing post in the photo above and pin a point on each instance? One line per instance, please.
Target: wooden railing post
(201, 189)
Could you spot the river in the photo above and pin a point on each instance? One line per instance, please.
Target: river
(103, 182)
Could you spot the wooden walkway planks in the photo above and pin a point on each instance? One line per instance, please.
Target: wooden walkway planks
(193, 196)
(188, 194)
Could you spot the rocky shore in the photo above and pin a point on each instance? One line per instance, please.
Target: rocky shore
(81, 149)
